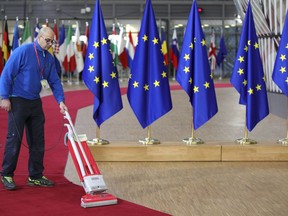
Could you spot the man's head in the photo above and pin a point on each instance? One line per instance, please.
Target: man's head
(46, 38)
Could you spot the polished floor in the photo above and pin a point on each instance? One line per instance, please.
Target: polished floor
(193, 188)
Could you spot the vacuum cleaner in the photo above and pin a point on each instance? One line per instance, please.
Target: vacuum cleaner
(88, 172)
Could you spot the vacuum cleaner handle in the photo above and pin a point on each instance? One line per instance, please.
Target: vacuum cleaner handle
(73, 144)
(73, 131)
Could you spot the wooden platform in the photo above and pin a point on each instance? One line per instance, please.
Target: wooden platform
(123, 131)
(172, 151)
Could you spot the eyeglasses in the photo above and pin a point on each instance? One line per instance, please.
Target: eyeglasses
(49, 41)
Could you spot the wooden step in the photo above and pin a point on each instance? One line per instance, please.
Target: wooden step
(175, 151)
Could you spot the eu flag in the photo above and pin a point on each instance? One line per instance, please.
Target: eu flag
(100, 74)
(248, 76)
(280, 72)
(222, 52)
(194, 73)
(148, 87)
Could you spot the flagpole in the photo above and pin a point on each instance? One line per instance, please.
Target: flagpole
(284, 141)
(192, 140)
(69, 81)
(98, 140)
(245, 140)
(174, 73)
(69, 75)
(62, 71)
(222, 70)
(148, 140)
(77, 79)
(62, 80)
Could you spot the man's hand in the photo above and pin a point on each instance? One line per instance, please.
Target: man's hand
(6, 104)
(63, 107)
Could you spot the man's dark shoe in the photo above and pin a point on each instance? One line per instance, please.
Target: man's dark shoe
(8, 182)
(43, 181)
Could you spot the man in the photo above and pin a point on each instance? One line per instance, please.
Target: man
(29, 69)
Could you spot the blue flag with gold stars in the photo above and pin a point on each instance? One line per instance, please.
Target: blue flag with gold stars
(148, 88)
(222, 52)
(194, 73)
(100, 74)
(248, 76)
(280, 72)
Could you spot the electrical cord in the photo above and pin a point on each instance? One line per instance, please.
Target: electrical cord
(26, 146)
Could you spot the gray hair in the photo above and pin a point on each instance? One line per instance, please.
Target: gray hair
(45, 30)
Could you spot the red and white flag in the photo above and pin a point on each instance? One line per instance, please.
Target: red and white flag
(69, 63)
(56, 38)
(212, 52)
(122, 54)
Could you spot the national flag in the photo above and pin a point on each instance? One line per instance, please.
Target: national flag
(130, 49)
(69, 63)
(1, 54)
(280, 72)
(15, 42)
(212, 52)
(99, 72)
(148, 88)
(6, 43)
(174, 50)
(222, 51)
(55, 48)
(55, 30)
(26, 38)
(85, 42)
(62, 44)
(113, 45)
(248, 76)
(56, 38)
(37, 29)
(122, 54)
(78, 51)
(164, 48)
(194, 73)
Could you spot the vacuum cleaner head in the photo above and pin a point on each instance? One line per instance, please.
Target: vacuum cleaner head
(100, 199)
(94, 183)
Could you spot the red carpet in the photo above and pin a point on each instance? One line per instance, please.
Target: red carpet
(64, 198)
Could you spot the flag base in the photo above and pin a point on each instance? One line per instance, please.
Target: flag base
(283, 141)
(193, 141)
(98, 141)
(149, 141)
(245, 141)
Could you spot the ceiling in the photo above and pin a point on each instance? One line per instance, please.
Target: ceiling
(170, 11)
